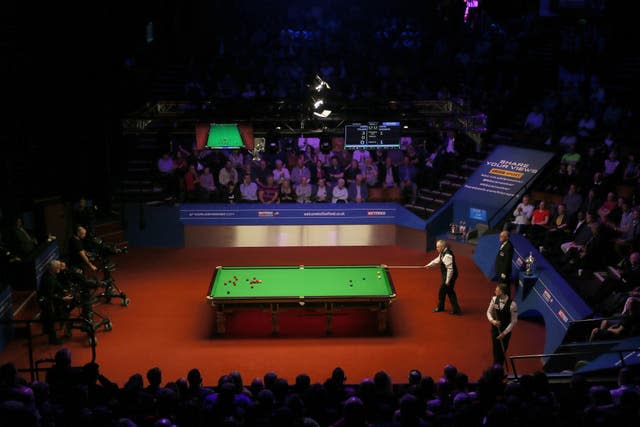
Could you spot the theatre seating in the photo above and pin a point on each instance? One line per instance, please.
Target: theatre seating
(378, 194)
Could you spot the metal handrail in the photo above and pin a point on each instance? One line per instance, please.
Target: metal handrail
(620, 353)
(76, 323)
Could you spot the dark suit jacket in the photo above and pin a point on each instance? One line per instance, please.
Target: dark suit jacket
(364, 191)
(503, 262)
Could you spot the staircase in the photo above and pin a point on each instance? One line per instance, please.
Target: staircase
(138, 184)
(428, 201)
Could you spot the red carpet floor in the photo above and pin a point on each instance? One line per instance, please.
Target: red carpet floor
(170, 325)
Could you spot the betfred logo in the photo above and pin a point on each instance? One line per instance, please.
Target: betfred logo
(563, 316)
(376, 213)
(547, 296)
(267, 214)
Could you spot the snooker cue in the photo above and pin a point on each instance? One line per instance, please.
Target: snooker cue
(404, 266)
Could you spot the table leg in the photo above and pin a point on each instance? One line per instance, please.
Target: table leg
(275, 321)
(220, 321)
(329, 314)
(382, 314)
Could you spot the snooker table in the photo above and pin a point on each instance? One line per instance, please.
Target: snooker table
(322, 288)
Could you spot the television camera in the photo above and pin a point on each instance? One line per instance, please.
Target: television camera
(78, 292)
(100, 254)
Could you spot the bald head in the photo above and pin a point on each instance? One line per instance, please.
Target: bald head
(504, 236)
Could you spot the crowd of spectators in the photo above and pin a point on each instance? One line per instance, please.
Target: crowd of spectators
(304, 173)
(82, 396)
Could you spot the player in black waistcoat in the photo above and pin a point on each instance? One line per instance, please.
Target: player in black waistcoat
(449, 272)
(503, 315)
(503, 259)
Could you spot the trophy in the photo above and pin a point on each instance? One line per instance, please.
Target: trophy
(257, 148)
(453, 229)
(462, 229)
(529, 263)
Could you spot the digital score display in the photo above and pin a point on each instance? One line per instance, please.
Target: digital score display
(372, 136)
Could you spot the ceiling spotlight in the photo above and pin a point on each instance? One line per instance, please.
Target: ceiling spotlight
(405, 127)
(320, 84)
(324, 114)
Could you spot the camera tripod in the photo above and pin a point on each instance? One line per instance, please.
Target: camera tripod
(111, 289)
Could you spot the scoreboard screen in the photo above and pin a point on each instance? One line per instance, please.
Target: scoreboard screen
(372, 136)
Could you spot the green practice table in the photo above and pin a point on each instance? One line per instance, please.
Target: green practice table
(324, 288)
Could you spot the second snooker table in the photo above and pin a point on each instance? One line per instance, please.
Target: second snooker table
(324, 288)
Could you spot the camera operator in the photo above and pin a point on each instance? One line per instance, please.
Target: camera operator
(78, 256)
(84, 214)
(53, 299)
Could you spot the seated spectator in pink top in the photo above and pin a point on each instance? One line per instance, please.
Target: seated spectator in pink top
(191, 182)
(540, 215)
(539, 223)
(607, 207)
(269, 192)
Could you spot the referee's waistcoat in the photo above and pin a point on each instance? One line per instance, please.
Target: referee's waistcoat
(503, 315)
(443, 268)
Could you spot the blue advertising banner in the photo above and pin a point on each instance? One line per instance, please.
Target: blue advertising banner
(298, 214)
(498, 183)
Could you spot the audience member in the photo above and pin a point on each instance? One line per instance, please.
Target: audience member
(207, 186)
(522, 216)
(304, 190)
(287, 193)
(340, 193)
(323, 191)
(358, 190)
(269, 192)
(248, 190)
